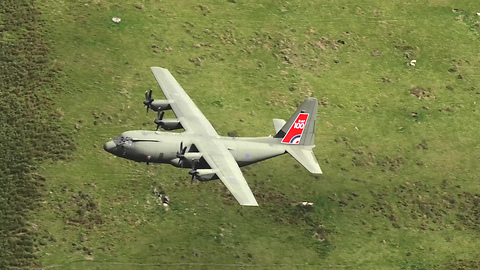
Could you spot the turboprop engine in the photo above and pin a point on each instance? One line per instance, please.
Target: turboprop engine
(203, 174)
(156, 105)
(166, 124)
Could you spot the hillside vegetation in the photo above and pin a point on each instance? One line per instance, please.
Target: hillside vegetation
(30, 130)
(398, 143)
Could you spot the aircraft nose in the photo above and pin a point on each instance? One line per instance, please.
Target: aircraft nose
(109, 146)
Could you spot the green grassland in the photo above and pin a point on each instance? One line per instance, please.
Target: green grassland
(398, 144)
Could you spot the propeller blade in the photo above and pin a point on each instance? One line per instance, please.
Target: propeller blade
(193, 171)
(157, 122)
(181, 154)
(148, 99)
(160, 114)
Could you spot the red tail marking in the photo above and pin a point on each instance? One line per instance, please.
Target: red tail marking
(294, 134)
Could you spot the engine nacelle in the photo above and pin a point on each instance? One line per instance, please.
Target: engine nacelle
(205, 175)
(192, 156)
(170, 124)
(159, 104)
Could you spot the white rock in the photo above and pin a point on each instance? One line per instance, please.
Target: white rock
(116, 19)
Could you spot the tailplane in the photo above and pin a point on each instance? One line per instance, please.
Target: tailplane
(278, 124)
(305, 156)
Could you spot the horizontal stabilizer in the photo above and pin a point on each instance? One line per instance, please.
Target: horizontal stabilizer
(278, 124)
(304, 155)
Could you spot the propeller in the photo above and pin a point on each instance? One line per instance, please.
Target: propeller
(148, 99)
(193, 172)
(159, 118)
(181, 154)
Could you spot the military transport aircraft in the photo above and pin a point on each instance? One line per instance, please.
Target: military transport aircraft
(209, 155)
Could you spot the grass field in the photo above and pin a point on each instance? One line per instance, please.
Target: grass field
(397, 143)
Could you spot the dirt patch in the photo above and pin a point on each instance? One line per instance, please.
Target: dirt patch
(376, 53)
(427, 207)
(392, 164)
(290, 51)
(139, 6)
(422, 93)
(459, 264)
(83, 211)
(410, 52)
(361, 157)
(197, 61)
(284, 211)
(422, 145)
(279, 100)
(325, 43)
(321, 233)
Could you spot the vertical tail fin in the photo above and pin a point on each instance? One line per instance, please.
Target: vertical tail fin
(300, 128)
(298, 135)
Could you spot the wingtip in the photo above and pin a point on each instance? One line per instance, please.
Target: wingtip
(250, 204)
(316, 170)
(153, 68)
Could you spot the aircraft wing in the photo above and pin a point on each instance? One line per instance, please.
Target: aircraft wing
(224, 165)
(215, 153)
(191, 118)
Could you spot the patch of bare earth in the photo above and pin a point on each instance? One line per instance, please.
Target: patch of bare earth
(422, 93)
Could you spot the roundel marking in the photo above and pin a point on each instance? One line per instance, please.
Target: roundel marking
(296, 139)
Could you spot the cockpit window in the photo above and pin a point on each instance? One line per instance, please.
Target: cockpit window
(121, 140)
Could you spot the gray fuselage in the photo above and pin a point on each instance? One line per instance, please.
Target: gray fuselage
(162, 147)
